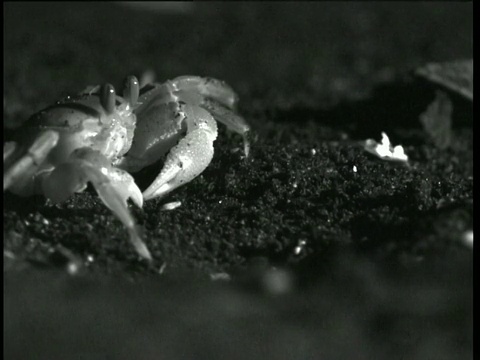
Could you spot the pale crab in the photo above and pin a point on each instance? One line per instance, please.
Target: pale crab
(99, 137)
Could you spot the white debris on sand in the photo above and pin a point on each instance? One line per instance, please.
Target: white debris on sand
(300, 247)
(171, 205)
(385, 150)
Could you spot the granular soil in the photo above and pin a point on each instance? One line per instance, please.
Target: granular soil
(309, 248)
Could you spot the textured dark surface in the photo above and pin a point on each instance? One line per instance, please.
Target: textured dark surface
(384, 272)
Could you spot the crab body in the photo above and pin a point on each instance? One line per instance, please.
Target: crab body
(83, 122)
(99, 137)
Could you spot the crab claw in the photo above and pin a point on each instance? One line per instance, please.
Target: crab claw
(190, 157)
(185, 162)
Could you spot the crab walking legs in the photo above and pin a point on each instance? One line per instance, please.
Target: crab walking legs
(29, 163)
(98, 137)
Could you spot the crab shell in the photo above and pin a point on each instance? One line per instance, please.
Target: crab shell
(83, 121)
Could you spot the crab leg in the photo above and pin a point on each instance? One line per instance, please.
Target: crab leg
(215, 96)
(114, 187)
(207, 87)
(27, 165)
(116, 202)
(160, 123)
(190, 156)
(233, 121)
(189, 89)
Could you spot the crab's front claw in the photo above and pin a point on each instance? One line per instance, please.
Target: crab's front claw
(189, 157)
(185, 162)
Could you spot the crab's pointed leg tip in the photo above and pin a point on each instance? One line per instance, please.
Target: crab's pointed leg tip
(143, 251)
(147, 196)
(145, 254)
(151, 193)
(138, 243)
(107, 98)
(155, 191)
(136, 196)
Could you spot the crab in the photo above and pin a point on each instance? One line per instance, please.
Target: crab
(99, 137)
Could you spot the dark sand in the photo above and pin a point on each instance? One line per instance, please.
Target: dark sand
(384, 272)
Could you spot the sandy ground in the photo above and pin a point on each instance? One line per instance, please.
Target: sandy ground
(310, 248)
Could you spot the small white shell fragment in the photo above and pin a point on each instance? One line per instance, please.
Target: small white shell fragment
(313, 151)
(354, 169)
(171, 206)
(300, 246)
(384, 150)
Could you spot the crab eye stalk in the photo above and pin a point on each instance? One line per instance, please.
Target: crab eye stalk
(131, 90)
(107, 98)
